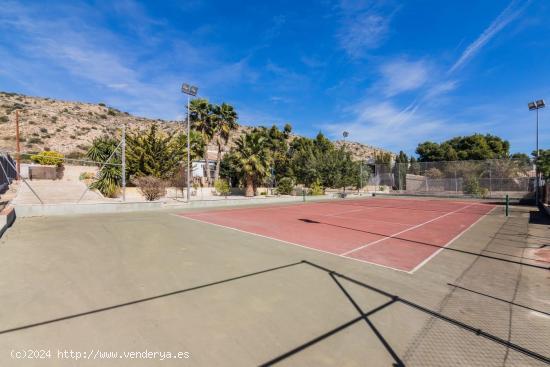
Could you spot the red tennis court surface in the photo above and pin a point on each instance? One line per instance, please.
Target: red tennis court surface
(401, 234)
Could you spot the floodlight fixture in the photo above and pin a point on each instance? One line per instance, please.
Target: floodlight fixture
(345, 134)
(540, 103)
(532, 106)
(190, 90)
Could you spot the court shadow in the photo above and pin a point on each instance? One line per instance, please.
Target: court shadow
(539, 217)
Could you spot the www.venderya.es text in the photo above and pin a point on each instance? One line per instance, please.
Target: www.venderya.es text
(96, 354)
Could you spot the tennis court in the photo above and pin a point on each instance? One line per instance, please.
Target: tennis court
(349, 282)
(401, 234)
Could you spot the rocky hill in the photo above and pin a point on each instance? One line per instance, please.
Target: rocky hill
(70, 127)
(361, 151)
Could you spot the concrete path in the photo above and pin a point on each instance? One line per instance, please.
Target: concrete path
(55, 192)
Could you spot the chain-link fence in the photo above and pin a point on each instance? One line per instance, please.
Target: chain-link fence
(493, 178)
(7, 172)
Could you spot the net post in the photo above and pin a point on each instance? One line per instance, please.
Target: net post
(507, 204)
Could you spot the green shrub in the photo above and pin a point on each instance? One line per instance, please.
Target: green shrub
(103, 116)
(151, 187)
(101, 104)
(111, 112)
(86, 176)
(35, 141)
(51, 158)
(434, 173)
(222, 187)
(285, 186)
(317, 188)
(76, 155)
(4, 119)
(472, 187)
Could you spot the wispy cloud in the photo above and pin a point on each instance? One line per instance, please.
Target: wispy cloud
(116, 69)
(365, 26)
(384, 124)
(402, 75)
(363, 32)
(382, 121)
(511, 12)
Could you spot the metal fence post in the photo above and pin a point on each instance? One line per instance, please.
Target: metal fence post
(361, 175)
(490, 180)
(456, 183)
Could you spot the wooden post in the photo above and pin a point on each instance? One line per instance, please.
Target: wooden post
(18, 148)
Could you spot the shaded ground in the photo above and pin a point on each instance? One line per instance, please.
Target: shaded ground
(98, 277)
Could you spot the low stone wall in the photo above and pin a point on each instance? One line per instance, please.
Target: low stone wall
(33, 210)
(38, 210)
(7, 217)
(41, 172)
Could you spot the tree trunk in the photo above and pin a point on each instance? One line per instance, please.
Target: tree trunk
(218, 162)
(206, 167)
(249, 187)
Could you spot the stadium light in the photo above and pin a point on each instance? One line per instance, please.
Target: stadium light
(190, 90)
(536, 106)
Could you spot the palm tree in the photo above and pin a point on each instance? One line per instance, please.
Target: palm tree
(225, 121)
(202, 121)
(253, 159)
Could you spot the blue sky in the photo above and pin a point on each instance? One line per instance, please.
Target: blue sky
(393, 73)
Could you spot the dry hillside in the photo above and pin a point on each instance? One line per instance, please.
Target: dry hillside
(70, 127)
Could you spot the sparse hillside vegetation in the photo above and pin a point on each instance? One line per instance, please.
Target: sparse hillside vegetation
(70, 127)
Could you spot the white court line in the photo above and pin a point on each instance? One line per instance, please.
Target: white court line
(290, 243)
(369, 219)
(451, 241)
(403, 231)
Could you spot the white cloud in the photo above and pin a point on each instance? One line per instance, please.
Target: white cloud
(116, 69)
(402, 75)
(511, 12)
(383, 124)
(362, 32)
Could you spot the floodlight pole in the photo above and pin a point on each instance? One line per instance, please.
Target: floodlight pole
(190, 90)
(17, 145)
(537, 173)
(123, 148)
(537, 105)
(188, 145)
